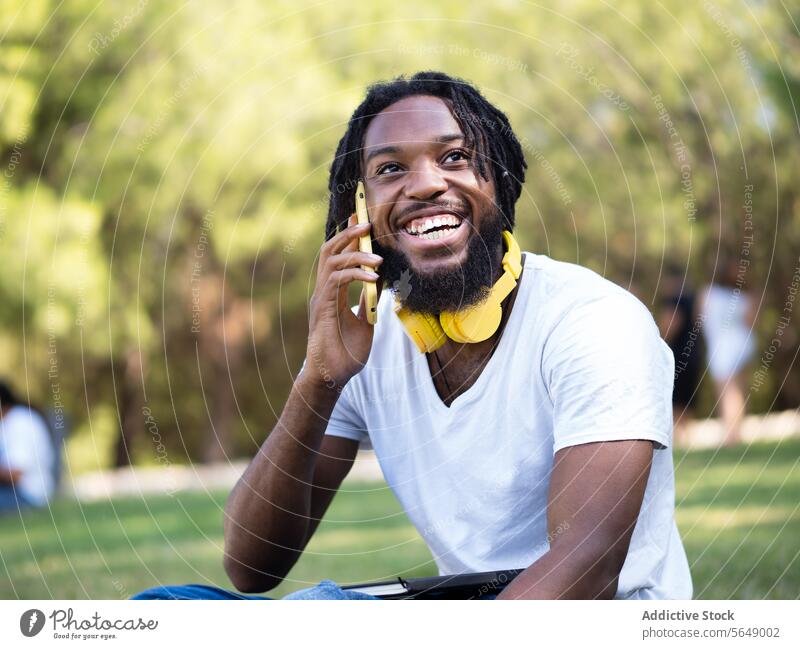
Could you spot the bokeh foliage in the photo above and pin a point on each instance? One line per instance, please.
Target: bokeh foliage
(158, 157)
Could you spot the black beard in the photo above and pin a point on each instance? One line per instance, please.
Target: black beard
(451, 289)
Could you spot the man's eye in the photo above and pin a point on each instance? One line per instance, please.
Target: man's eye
(383, 168)
(458, 152)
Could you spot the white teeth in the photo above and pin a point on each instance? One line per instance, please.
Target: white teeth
(439, 234)
(422, 230)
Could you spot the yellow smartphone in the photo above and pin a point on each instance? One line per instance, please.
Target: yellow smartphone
(365, 245)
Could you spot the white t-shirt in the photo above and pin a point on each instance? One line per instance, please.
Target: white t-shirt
(580, 360)
(25, 444)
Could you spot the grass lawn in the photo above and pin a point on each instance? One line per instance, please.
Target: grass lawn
(738, 511)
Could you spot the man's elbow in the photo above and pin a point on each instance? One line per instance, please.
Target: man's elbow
(606, 585)
(247, 579)
(609, 568)
(238, 559)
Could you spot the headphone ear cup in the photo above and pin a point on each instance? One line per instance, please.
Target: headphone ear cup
(423, 328)
(473, 325)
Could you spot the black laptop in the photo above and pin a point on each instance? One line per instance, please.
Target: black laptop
(473, 585)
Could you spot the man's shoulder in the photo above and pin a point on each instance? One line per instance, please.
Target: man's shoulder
(577, 305)
(566, 285)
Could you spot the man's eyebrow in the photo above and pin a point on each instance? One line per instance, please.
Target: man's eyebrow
(442, 139)
(381, 150)
(450, 137)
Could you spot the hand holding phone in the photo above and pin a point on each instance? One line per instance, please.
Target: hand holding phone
(339, 340)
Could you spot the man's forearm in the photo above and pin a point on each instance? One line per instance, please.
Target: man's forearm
(565, 572)
(267, 514)
(597, 488)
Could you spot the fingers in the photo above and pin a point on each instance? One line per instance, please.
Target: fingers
(341, 278)
(350, 244)
(350, 258)
(341, 262)
(347, 238)
(338, 281)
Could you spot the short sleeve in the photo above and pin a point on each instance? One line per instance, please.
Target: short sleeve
(609, 374)
(346, 420)
(27, 443)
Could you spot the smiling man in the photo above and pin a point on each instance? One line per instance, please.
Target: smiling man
(519, 406)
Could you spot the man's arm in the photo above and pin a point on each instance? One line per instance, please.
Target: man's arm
(596, 492)
(276, 505)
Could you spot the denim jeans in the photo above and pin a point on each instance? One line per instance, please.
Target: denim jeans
(324, 590)
(11, 501)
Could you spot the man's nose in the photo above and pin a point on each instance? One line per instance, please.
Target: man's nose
(425, 181)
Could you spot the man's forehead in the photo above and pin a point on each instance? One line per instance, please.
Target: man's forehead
(421, 118)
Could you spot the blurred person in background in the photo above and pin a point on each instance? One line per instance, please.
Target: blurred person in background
(728, 314)
(27, 456)
(680, 327)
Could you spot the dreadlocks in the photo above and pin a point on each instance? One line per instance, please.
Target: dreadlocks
(486, 130)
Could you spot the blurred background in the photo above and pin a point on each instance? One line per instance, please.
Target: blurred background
(162, 204)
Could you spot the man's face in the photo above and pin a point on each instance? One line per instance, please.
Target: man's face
(417, 170)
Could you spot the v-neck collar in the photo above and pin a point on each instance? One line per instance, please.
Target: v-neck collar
(475, 389)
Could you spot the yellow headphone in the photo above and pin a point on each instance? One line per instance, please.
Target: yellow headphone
(471, 325)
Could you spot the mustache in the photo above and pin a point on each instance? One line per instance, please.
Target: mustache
(460, 208)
